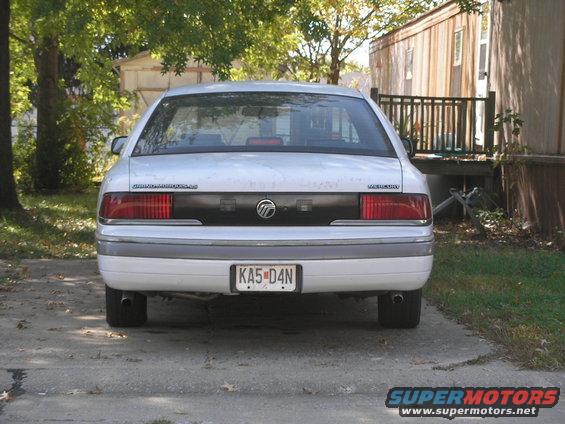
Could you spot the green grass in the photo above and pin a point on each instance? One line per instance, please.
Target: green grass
(51, 226)
(513, 296)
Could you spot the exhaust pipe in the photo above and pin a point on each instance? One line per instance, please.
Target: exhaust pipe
(397, 297)
(127, 299)
(204, 297)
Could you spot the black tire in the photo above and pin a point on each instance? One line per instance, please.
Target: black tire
(401, 315)
(118, 315)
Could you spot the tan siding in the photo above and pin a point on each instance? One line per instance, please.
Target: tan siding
(527, 68)
(432, 40)
(527, 73)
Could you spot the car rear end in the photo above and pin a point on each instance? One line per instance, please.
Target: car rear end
(260, 189)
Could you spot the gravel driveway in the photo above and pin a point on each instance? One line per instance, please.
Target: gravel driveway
(310, 359)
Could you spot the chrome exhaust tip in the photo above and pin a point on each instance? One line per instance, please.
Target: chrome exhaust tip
(397, 297)
(127, 299)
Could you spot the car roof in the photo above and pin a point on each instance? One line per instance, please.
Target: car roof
(263, 86)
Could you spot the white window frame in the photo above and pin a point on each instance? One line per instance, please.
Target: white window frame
(458, 55)
(409, 73)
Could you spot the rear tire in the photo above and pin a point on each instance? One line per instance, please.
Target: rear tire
(401, 315)
(118, 315)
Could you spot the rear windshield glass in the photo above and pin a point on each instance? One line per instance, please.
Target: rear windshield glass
(280, 122)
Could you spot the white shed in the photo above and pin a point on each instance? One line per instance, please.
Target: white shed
(143, 75)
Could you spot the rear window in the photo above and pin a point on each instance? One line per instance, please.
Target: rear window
(277, 122)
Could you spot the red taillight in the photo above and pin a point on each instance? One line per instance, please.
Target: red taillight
(395, 207)
(136, 206)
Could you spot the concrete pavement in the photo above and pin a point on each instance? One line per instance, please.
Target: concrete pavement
(273, 359)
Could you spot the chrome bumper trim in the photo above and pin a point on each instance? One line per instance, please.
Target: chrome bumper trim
(360, 250)
(263, 243)
(396, 223)
(186, 222)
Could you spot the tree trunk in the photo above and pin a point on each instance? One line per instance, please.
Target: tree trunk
(49, 155)
(333, 77)
(8, 196)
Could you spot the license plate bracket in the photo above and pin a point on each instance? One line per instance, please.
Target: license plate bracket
(237, 288)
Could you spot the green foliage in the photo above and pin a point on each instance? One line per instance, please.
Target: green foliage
(24, 154)
(508, 150)
(210, 31)
(509, 117)
(85, 31)
(86, 157)
(492, 220)
(469, 6)
(514, 296)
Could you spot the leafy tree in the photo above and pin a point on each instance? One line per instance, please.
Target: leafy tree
(60, 67)
(211, 31)
(8, 196)
(315, 41)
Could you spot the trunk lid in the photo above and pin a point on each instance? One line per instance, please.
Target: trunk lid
(265, 172)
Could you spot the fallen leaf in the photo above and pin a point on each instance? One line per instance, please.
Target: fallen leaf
(6, 396)
(22, 324)
(229, 387)
(116, 335)
(24, 272)
(96, 391)
(421, 361)
(51, 304)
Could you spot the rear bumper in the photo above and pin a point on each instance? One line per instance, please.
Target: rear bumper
(362, 262)
(213, 276)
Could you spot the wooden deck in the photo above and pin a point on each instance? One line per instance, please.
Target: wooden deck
(479, 168)
(484, 168)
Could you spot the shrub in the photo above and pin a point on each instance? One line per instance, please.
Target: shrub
(24, 154)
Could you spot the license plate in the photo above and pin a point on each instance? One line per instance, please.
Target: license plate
(266, 278)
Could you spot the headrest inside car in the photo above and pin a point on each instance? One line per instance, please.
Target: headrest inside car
(203, 139)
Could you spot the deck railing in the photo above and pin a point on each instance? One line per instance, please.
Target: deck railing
(455, 125)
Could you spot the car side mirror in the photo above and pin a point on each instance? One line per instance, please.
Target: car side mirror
(408, 146)
(118, 144)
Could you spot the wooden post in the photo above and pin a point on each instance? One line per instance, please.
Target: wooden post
(490, 106)
(375, 94)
